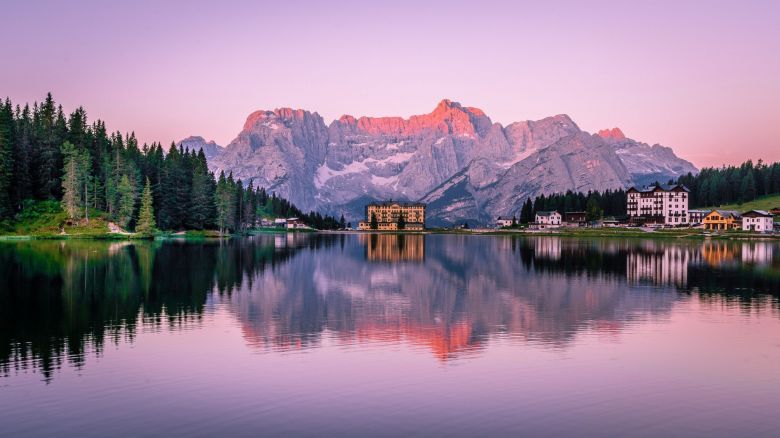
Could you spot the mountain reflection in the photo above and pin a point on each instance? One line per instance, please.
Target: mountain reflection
(448, 294)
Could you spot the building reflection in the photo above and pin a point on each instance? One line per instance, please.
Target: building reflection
(759, 253)
(718, 252)
(394, 247)
(661, 266)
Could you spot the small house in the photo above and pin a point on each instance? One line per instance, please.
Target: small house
(503, 222)
(548, 219)
(758, 220)
(575, 218)
(295, 222)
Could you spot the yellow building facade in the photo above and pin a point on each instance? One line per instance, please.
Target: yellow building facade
(722, 220)
(387, 215)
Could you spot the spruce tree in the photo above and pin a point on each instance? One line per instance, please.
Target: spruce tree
(374, 224)
(6, 159)
(75, 180)
(145, 224)
(126, 201)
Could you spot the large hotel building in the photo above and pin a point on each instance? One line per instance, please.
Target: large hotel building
(388, 213)
(657, 204)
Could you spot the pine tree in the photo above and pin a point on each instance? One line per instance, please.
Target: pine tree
(374, 224)
(75, 180)
(748, 188)
(6, 159)
(224, 204)
(401, 221)
(126, 201)
(145, 223)
(592, 210)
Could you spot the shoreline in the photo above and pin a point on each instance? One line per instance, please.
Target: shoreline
(686, 234)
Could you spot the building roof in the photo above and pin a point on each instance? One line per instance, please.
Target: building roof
(389, 203)
(757, 213)
(726, 213)
(546, 213)
(662, 188)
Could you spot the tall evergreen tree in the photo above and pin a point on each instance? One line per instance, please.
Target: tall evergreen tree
(145, 224)
(6, 159)
(126, 193)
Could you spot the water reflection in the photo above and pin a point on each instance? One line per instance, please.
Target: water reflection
(394, 247)
(446, 294)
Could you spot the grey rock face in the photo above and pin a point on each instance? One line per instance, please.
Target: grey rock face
(195, 143)
(456, 159)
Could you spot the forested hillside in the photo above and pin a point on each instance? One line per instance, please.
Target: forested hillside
(732, 184)
(48, 155)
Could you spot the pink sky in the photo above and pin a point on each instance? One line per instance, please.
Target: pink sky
(701, 77)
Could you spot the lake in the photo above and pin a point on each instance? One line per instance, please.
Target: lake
(388, 335)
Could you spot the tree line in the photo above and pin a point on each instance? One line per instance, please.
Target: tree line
(595, 204)
(732, 184)
(46, 155)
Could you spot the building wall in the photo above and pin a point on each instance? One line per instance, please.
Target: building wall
(715, 221)
(671, 205)
(391, 213)
(761, 224)
(553, 219)
(387, 217)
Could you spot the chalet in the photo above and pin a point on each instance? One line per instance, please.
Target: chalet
(504, 222)
(722, 220)
(758, 220)
(548, 219)
(575, 218)
(658, 204)
(775, 211)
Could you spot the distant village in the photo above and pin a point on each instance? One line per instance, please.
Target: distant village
(659, 206)
(656, 206)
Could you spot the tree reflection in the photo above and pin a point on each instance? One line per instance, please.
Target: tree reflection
(450, 294)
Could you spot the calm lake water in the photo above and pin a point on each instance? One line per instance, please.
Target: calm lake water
(374, 335)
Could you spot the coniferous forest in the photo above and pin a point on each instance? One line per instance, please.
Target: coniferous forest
(46, 155)
(732, 184)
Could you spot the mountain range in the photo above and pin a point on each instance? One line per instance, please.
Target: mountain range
(455, 159)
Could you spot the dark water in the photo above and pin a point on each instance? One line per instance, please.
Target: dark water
(358, 335)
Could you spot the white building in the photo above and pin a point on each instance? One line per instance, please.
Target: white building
(548, 219)
(758, 220)
(656, 204)
(280, 223)
(503, 222)
(295, 222)
(697, 216)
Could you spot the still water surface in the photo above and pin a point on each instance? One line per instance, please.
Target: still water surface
(356, 335)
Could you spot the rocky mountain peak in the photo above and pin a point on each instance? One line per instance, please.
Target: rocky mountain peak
(196, 143)
(614, 134)
(453, 158)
